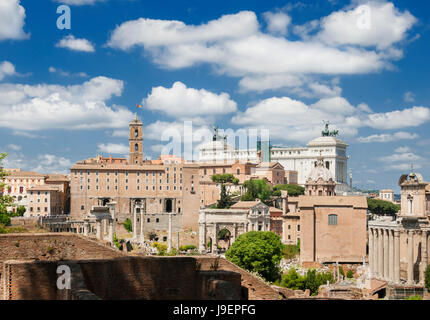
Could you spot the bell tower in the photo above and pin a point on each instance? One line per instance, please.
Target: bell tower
(136, 142)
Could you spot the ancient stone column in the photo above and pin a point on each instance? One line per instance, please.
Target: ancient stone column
(424, 255)
(397, 256)
(169, 235)
(177, 239)
(99, 230)
(375, 253)
(214, 240)
(386, 251)
(371, 250)
(410, 257)
(202, 237)
(391, 255)
(111, 231)
(142, 217)
(134, 223)
(234, 232)
(380, 253)
(86, 227)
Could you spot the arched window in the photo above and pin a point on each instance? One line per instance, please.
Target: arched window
(136, 147)
(332, 219)
(136, 133)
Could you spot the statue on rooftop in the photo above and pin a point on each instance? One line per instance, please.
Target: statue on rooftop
(326, 132)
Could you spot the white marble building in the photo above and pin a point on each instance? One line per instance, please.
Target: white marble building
(302, 160)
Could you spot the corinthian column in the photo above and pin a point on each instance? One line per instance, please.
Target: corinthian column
(424, 255)
(397, 256)
(386, 261)
(410, 257)
(375, 253)
(380, 254)
(391, 255)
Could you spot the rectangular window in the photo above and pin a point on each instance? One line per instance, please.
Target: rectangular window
(332, 220)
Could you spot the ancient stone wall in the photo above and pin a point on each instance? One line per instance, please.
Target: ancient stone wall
(53, 246)
(143, 278)
(252, 287)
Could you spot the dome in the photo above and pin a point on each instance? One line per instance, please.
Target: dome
(320, 172)
(326, 141)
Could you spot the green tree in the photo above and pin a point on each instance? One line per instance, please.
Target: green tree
(225, 199)
(258, 251)
(293, 190)
(382, 207)
(257, 189)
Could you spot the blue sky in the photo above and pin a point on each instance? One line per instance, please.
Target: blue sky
(66, 95)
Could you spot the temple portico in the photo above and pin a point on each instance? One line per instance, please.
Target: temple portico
(398, 246)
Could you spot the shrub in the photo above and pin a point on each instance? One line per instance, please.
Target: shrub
(290, 251)
(341, 272)
(417, 297)
(350, 274)
(187, 247)
(20, 211)
(312, 280)
(127, 225)
(116, 242)
(5, 219)
(161, 248)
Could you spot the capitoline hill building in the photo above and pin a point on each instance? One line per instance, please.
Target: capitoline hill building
(301, 159)
(137, 189)
(398, 248)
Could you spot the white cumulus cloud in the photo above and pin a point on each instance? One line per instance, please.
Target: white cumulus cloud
(114, 148)
(182, 102)
(236, 45)
(72, 43)
(277, 22)
(388, 137)
(12, 16)
(6, 69)
(42, 106)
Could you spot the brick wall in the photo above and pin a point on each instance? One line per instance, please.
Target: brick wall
(146, 278)
(252, 287)
(53, 246)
